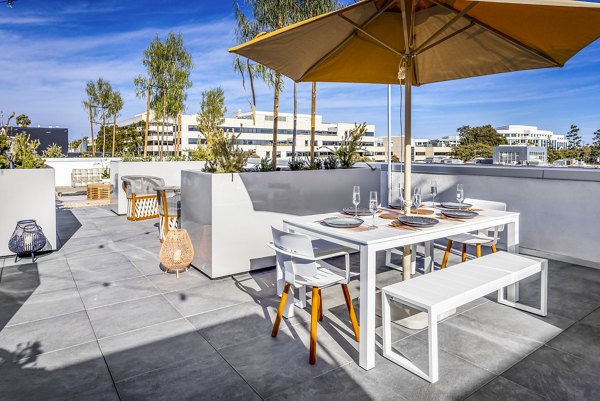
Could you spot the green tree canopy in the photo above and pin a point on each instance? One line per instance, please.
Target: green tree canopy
(477, 142)
(23, 120)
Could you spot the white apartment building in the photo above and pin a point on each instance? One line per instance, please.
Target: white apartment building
(422, 149)
(257, 135)
(528, 134)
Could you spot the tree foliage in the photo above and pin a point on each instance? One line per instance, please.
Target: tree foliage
(24, 152)
(128, 141)
(477, 142)
(349, 152)
(53, 151)
(23, 120)
(224, 155)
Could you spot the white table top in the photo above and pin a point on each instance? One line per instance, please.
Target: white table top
(384, 233)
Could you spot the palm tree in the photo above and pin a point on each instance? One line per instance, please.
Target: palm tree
(308, 9)
(88, 104)
(114, 107)
(265, 16)
(143, 87)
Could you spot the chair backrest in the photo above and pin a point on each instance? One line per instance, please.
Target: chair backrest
(141, 184)
(491, 205)
(294, 254)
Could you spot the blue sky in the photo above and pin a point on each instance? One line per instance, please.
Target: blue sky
(50, 48)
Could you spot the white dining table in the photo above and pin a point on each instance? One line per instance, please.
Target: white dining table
(385, 237)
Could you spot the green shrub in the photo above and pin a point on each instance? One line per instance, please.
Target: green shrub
(331, 162)
(25, 152)
(264, 165)
(296, 164)
(53, 151)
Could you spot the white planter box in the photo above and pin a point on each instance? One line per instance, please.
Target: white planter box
(169, 171)
(228, 216)
(27, 194)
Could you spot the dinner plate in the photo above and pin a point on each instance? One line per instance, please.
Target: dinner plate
(343, 222)
(418, 221)
(459, 214)
(361, 212)
(395, 205)
(456, 205)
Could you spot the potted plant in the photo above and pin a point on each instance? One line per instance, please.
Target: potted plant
(106, 176)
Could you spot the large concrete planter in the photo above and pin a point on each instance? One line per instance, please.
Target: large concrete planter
(169, 171)
(228, 216)
(27, 194)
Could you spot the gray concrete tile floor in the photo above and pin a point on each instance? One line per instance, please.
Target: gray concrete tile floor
(99, 320)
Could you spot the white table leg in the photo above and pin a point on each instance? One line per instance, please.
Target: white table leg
(367, 308)
(428, 259)
(433, 345)
(512, 245)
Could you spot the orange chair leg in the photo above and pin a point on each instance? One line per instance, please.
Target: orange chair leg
(282, 303)
(494, 248)
(316, 300)
(447, 254)
(351, 312)
(464, 252)
(478, 250)
(320, 306)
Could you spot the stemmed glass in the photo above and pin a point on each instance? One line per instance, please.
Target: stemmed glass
(401, 195)
(373, 205)
(417, 199)
(356, 199)
(433, 192)
(460, 195)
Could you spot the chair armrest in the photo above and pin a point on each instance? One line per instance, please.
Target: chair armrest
(290, 253)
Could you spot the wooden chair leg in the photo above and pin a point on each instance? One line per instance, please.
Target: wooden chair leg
(447, 254)
(316, 300)
(478, 250)
(351, 312)
(320, 306)
(494, 248)
(280, 310)
(464, 252)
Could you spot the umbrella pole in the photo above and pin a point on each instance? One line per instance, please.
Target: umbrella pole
(406, 259)
(389, 147)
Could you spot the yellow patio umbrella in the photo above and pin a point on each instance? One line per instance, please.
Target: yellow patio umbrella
(416, 42)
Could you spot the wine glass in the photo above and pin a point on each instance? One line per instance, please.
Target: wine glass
(460, 195)
(356, 199)
(417, 199)
(434, 191)
(373, 204)
(401, 195)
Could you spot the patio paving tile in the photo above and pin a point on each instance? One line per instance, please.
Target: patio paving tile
(557, 375)
(581, 339)
(125, 316)
(112, 266)
(214, 295)
(47, 277)
(503, 389)
(503, 317)
(60, 375)
(168, 282)
(488, 347)
(146, 261)
(457, 377)
(101, 294)
(39, 306)
(48, 334)
(155, 347)
(270, 365)
(209, 379)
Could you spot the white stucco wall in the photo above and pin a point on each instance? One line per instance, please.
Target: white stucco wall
(64, 166)
(27, 194)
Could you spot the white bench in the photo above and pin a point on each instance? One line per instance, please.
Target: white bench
(444, 290)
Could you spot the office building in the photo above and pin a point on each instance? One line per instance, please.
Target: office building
(520, 155)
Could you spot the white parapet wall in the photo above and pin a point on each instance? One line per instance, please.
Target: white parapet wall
(170, 171)
(64, 166)
(27, 194)
(560, 211)
(229, 216)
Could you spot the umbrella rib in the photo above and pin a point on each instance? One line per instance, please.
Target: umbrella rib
(503, 36)
(348, 38)
(373, 38)
(446, 26)
(445, 38)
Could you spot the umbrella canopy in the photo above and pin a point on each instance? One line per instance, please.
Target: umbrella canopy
(367, 41)
(415, 42)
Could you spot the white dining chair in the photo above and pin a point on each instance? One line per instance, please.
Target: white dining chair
(487, 237)
(295, 253)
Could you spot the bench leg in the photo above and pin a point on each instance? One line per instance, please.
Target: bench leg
(543, 309)
(432, 375)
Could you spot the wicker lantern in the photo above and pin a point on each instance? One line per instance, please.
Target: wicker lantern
(177, 251)
(28, 237)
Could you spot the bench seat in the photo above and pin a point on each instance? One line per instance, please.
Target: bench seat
(450, 288)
